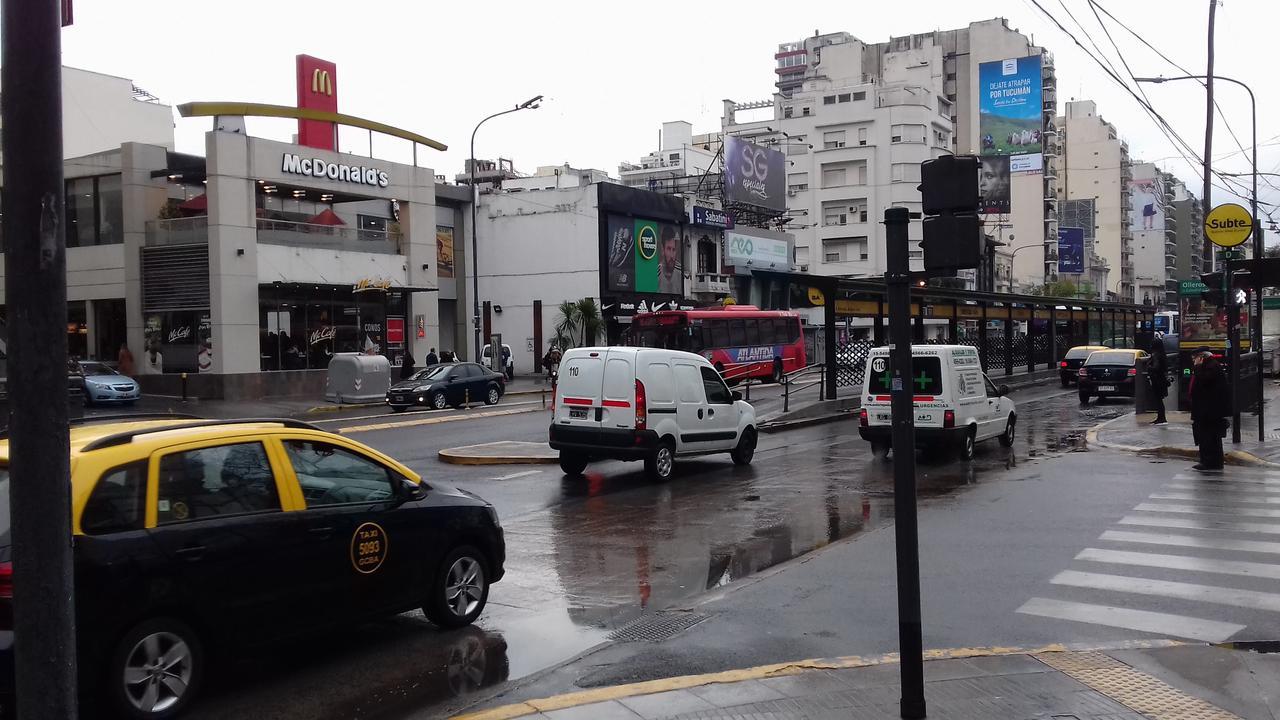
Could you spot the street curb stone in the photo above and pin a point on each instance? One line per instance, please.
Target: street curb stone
(1232, 457)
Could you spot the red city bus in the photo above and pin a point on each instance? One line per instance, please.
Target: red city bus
(742, 341)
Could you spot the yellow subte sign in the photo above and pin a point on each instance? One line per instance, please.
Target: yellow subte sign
(1228, 225)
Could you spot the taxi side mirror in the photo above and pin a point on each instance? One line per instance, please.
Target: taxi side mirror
(406, 489)
(1003, 390)
(736, 395)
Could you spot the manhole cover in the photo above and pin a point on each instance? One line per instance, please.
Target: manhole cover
(657, 627)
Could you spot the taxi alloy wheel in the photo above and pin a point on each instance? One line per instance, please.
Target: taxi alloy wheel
(460, 590)
(158, 669)
(493, 397)
(439, 401)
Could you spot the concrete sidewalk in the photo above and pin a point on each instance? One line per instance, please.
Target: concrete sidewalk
(1135, 433)
(1159, 679)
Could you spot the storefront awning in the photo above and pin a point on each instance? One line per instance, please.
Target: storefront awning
(326, 217)
(199, 203)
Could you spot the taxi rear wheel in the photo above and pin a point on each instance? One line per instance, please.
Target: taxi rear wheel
(460, 589)
(156, 669)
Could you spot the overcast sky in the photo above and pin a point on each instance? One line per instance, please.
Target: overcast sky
(613, 72)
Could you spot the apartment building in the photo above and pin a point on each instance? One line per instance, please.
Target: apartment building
(1153, 223)
(1096, 166)
(679, 156)
(1189, 214)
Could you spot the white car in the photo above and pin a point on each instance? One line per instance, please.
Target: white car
(509, 367)
(624, 403)
(956, 404)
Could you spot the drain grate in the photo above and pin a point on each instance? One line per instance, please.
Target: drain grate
(657, 627)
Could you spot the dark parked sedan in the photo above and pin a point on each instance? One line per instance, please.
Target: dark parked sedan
(1109, 373)
(448, 385)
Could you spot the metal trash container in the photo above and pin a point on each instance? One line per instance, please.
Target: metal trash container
(1143, 398)
(356, 378)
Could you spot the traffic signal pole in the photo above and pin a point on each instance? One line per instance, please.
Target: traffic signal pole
(1233, 348)
(897, 280)
(36, 296)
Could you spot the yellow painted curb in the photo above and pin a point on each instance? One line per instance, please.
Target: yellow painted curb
(1240, 457)
(684, 682)
(335, 407)
(449, 456)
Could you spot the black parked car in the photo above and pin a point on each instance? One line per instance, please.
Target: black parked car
(448, 385)
(1069, 365)
(1109, 373)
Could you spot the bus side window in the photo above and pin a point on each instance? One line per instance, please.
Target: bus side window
(719, 331)
(753, 330)
(737, 333)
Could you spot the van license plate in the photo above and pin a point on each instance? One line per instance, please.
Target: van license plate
(577, 413)
(1106, 388)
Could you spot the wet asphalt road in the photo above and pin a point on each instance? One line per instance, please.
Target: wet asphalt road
(587, 556)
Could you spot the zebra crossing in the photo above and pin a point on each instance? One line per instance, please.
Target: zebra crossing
(1198, 559)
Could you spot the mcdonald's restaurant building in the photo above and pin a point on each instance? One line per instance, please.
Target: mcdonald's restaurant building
(247, 269)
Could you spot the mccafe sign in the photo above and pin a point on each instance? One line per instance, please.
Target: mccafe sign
(320, 168)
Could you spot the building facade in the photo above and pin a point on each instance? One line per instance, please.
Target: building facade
(1153, 224)
(1096, 166)
(1190, 234)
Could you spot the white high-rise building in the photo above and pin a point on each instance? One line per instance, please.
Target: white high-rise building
(1096, 166)
(1153, 223)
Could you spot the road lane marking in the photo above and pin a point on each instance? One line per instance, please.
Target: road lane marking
(1209, 510)
(1182, 562)
(411, 413)
(1188, 524)
(1230, 478)
(1215, 490)
(1143, 620)
(513, 476)
(1249, 599)
(1191, 541)
(430, 421)
(1218, 497)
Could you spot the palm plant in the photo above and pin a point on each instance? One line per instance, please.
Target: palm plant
(578, 324)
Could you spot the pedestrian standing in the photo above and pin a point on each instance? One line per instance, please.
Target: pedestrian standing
(432, 358)
(1209, 410)
(407, 366)
(1158, 378)
(124, 361)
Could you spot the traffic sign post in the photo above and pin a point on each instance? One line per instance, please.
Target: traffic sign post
(1227, 226)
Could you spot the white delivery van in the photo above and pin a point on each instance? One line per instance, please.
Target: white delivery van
(626, 403)
(956, 404)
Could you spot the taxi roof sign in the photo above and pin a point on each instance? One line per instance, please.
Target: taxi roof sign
(1228, 225)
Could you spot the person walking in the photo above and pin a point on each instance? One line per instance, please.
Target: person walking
(432, 358)
(1209, 410)
(1158, 379)
(407, 365)
(124, 361)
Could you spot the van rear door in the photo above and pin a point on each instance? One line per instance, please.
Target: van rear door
(579, 389)
(619, 389)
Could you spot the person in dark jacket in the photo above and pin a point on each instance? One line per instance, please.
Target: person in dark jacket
(407, 366)
(432, 359)
(1209, 409)
(1158, 379)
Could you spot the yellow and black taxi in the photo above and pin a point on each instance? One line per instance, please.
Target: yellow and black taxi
(1109, 373)
(196, 536)
(1069, 365)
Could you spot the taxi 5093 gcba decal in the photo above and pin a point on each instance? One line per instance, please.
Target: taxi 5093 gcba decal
(369, 547)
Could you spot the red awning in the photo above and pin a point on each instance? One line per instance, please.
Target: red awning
(199, 203)
(328, 217)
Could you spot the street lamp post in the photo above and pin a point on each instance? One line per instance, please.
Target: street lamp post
(1257, 231)
(530, 104)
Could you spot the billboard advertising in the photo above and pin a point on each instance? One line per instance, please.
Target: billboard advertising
(754, 175)
(993, 185)
(1011, 107)
(444, 251)
(644, 256)
(1071, 250)
(1147, 210)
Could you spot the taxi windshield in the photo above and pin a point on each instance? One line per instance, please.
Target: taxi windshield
(435, 372)
(1111, 358)
(97, 369)
(926, 376)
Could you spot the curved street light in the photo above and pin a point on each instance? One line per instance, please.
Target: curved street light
(532, 103)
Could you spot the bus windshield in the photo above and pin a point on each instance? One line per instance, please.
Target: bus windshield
(668, 337)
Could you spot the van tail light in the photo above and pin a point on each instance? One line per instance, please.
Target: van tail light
(1062, 364)
(949, 419)
(1133, 372)
(6, 581)
(1083, 373)
(863, 420)
(642, 407)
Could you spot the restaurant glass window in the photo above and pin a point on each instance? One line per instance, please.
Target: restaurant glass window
(110, 210)
(77, 330)
(94, 213)
(80, 212)
(172, 341)
(301, 327)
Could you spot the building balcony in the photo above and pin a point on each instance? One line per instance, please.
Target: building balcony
(178, 231)
(328, 237)
(713, 283)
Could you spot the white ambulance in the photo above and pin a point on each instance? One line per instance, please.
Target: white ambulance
(956, 404)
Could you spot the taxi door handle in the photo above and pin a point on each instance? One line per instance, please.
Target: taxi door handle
(325, 531)
(699, 413)
(711, 412)
(192, 552)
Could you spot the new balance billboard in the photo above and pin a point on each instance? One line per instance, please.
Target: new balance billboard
(754, 175)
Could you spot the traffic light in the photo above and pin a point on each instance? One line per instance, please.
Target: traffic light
(1212, 294)
(953, 237)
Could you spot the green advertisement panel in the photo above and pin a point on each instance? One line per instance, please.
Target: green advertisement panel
(646, 256)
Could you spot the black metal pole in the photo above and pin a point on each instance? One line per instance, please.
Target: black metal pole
(898, 287)
(832, 357)
(1233, 349)
(36, 296)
